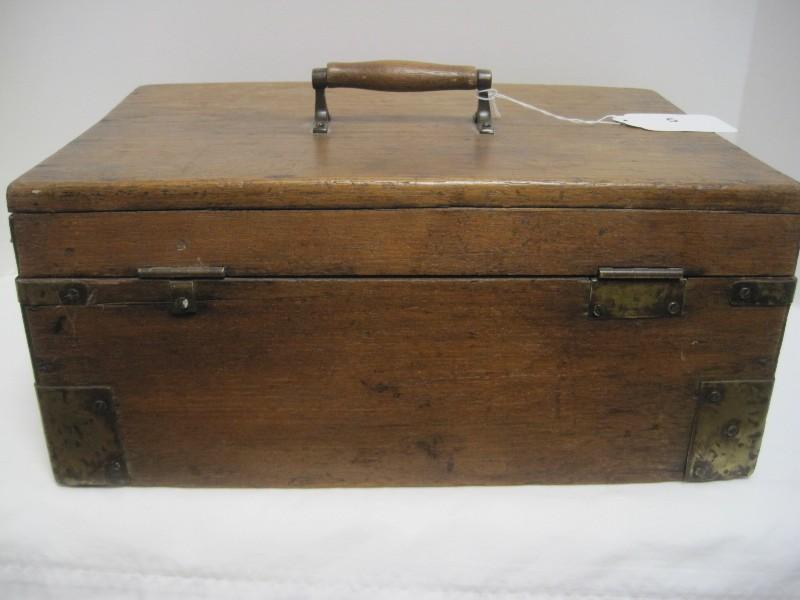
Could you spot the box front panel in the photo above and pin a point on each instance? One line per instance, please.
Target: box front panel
(354, 382)
(404, 242)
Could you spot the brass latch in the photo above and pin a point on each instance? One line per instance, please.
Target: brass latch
(637, 293)
(183, 290)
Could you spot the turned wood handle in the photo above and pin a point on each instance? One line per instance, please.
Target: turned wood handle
(401, 76)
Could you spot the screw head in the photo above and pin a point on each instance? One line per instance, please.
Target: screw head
(745, 292)
(115, 471)
(731, 429)
(702, 471)
(99, 406)
(674, 307)
(597, 310)
(70, 295)
(714, 397)
(181, 303)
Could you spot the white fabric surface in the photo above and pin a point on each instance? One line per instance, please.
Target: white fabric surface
(738, 539)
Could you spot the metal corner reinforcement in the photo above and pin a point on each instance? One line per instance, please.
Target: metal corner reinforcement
(82, 436)
(728, 427)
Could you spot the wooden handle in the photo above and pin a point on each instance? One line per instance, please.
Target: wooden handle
(401, 76)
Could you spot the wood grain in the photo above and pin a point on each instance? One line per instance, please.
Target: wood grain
(250, 146)
(401, 76)
(392, 366)
(406, 242)
(310, 382)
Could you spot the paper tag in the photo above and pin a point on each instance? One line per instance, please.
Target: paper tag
(675, 122)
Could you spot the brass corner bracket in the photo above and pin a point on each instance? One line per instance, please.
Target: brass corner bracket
(82, 436)
(728, 427)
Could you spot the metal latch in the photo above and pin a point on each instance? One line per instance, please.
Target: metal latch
(637, 293)
(183, 290)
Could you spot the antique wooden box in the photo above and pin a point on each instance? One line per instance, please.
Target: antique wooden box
(216, 296)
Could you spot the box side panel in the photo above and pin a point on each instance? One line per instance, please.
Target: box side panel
(354, 382)
(406, 242)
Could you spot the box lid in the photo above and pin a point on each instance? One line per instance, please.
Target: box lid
(249, 145)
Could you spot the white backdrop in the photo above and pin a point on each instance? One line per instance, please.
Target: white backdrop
(63, 65)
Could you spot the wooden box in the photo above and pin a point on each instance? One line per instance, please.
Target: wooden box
(216, 296)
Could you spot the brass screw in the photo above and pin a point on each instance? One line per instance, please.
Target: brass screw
(731, 429)
(674, 307)
(701, 471)
(714, 397)
(114, 470)
(745, 292)
(181, 303)
(99, 406)
(597, 310)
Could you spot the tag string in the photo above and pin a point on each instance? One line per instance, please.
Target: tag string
(492, 94)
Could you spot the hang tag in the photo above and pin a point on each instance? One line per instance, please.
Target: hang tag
(675, 122)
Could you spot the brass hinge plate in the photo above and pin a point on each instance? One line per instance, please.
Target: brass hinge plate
(182, 289)
(638, 293)
(82, 436)
(183, 297)
(728, 427)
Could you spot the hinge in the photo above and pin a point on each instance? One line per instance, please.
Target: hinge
(183, 297)
(182, 292)
(728, 427)
(190, 272)
(176, 285)
(637, 293)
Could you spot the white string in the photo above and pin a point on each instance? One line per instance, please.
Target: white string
(492, 94)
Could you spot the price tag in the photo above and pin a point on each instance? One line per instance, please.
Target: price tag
(675, 122)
